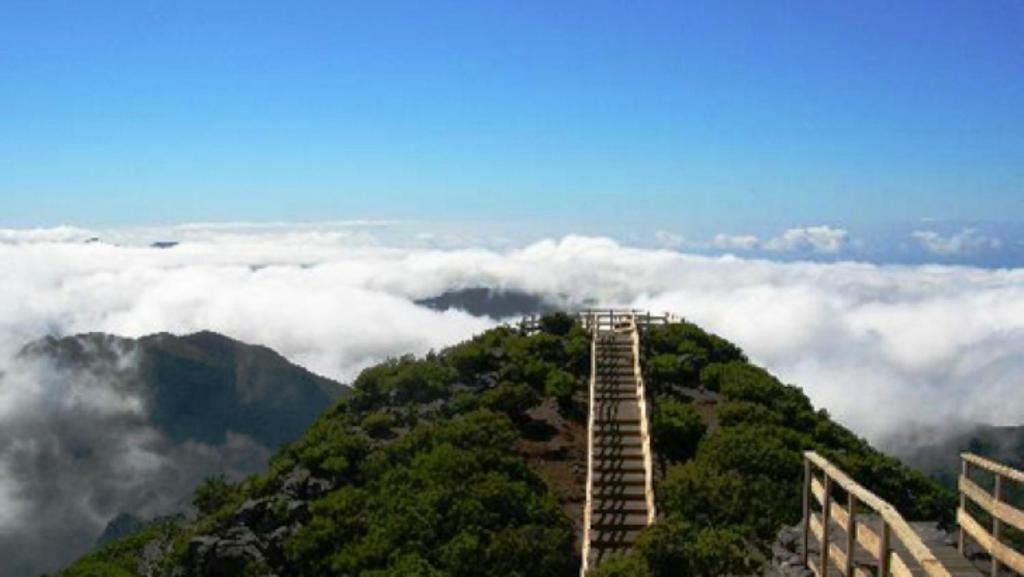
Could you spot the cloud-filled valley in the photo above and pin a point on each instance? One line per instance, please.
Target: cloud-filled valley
(883, 347)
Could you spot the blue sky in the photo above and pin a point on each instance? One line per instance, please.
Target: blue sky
(696, 117)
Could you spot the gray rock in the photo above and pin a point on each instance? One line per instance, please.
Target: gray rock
(301, 484)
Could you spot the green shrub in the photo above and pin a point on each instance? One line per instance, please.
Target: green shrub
(214, 493)
(448, 498)
(378, 424)
(513, 399)
(561, 385)
(676, 547)
(677, 338)
(628, 565)
(734, 413)
(558, 324)
(397, 382)
(676, 428)
(664, 369)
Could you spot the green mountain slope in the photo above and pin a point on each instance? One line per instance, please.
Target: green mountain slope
(471, 462)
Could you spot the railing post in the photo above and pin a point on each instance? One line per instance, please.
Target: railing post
(826, 519)
(883, 550)
(807, 510)
(851, 532)
(997, 525)
(965, 472)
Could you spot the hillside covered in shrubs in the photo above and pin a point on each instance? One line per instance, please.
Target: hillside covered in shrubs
(471, 461)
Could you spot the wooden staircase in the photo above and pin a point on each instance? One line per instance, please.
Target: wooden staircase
(620, 500)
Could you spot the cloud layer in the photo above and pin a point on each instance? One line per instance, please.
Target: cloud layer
(883, 348)
(336, 299)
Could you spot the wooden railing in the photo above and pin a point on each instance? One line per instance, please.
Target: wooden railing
(993, 504)
(645, 435)
(609, 321)
(589, 503)
(605, 319)
(820, 479)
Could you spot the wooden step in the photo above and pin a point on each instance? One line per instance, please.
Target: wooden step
(618, 465)
(622, 386)
(619, 491)
(617, 412)
(621, 478)
(623, 452)
(614, 396)
(612, 429)
(618, 521)
(619, 506)
(617, 539)
(608, 442)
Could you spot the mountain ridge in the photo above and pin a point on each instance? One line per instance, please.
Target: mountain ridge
(469, 462)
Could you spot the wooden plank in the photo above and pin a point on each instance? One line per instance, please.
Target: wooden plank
(816, 527)
(818, 490)
(1012, 474)
(840, 515)
(1004, 511)
(838, 556)
(898, 566)
(813, 567)
(869, 540)
(1007, 556)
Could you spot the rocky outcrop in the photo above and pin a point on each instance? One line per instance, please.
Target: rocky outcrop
(255, 537)
(787, 552)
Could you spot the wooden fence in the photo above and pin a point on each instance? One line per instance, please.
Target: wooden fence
(606, 319)
(821, 478)
(993, 505)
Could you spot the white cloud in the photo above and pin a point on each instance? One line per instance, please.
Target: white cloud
(967, 241)
(822, 239)
(735, 242)
(669, 239)
(336, 304)
(881, 347)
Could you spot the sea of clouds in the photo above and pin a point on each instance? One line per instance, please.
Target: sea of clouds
(877, 345)
(885, 348)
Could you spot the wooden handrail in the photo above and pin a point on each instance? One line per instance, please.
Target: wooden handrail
(876, 543)
(645, 435)
(993, 504)
(994, 467)
(589, 503)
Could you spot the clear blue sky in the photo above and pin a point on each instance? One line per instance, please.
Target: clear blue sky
(690, 114)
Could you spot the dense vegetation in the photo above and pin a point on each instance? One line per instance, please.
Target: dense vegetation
(421, 472)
